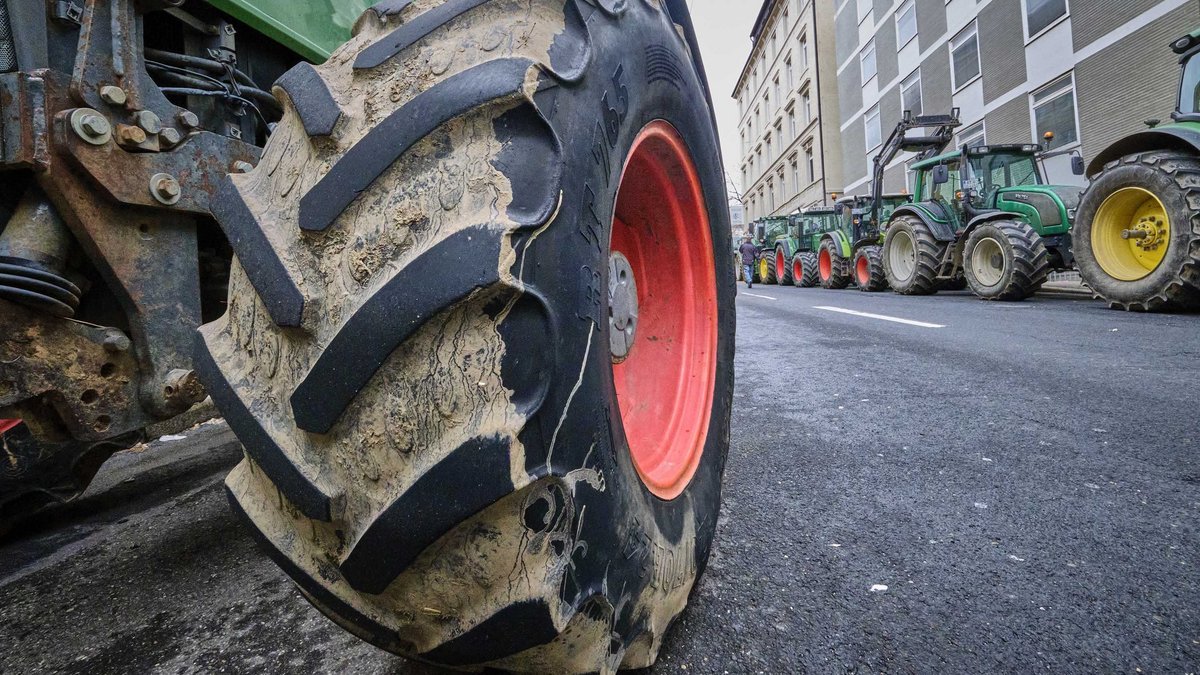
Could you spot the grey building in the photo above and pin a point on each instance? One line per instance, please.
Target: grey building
(1089, 71)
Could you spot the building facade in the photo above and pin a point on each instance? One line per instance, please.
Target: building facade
(1089, 71)
(788, 105)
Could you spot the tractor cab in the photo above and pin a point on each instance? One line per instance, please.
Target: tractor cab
(1188, 48)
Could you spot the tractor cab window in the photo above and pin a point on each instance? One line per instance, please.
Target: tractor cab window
(946, 192)
(989, 173)
(1189, 90)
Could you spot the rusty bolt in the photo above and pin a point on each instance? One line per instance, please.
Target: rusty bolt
(183, 387)
(113, 95)
(188, 119)
(148, 121)
(130, 134)
(242, 167)
(165, 188)
(116, 341)
(91, 126)
(95, 126)
(170, 136)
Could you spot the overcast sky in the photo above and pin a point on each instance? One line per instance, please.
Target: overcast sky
(723, 28)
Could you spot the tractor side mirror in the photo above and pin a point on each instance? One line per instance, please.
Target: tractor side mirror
(941, 174)
(1077, 166)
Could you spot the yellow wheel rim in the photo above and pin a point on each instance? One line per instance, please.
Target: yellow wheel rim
(763, 270)
(1131, 234)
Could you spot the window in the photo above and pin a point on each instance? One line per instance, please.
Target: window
(1041, 14)
(791, 74)
(757, 121)
(767, 105)
(783, 195)
(972, 136)
(869, 68)
(770, 155)
(792, 124)
(811, 162)
(906, 23)
(770, 194)
(864, 9)
(874, 131)
(778, 96)
(806, 103)
(775, 42)
(779, 135)
(910, 93)
(795, 176)
(964, 54)
(803, 53)
(1054, 112)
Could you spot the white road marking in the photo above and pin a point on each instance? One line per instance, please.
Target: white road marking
(756, 295)
(881, 317)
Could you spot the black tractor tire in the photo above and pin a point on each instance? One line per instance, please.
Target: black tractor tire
(783, 272)
(1018, 265)
(809, 276)
(768, 262)
(868, 269)
(924, 259)
(416, 354)
(838, 276)
(1174, 178)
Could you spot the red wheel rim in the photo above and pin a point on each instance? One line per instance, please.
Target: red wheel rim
(864, 271)
(797, 270)
(780, 265)
(7, 425)
(665, 385)
(825, 267)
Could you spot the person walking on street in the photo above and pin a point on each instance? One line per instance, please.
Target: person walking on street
(750, 255)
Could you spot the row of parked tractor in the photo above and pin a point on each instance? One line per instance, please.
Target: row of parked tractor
(983, 218)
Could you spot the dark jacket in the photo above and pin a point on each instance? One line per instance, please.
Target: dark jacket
(749, 253)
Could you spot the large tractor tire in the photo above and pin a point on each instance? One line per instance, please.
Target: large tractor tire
(804, 269)
(766, 270)
(450, 348)
(1005, 260)
(868, 269)
(833, 269)
(911, 257)
(783, 271)
(1137, 233)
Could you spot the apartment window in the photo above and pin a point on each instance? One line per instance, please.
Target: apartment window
(910, 93)
(791, 74)
(874, 131)
(778, 96)
(906, 23)
(770, 155)
(785, 18)
(757, 120)
(810, 161)
(745, 144)
(1041, 14)
(779, 134)
(783, 195)
(972, 136)
(767, 105)
(775, 42)
(770, 194)
(795, 176)
(803, 53)
(1054, 111)
(864, 9)
(964, 54)
(792, 124)
(806, 103)
(869, 67)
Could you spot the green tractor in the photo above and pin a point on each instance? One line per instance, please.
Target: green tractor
(807, 226)
(391, 243)
(981, 213)
(772, 234)
(850, 251)
(1137, 237)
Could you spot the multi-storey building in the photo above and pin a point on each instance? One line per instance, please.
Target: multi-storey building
(1089, 71)
(787, 97)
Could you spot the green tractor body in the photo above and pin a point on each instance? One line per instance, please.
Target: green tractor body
(310, 28)
(1137, 236)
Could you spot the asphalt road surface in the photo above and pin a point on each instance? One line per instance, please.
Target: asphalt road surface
(948, 486)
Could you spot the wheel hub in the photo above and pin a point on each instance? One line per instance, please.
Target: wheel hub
(1148, 234)
(622, 306)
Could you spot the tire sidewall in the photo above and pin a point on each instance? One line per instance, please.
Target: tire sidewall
(988, 231)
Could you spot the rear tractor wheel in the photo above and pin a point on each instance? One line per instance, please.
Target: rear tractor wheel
(868, 269)
(804, 269)
(450, 352)
(832, 267)
(1137, 234)
(1005, 260)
